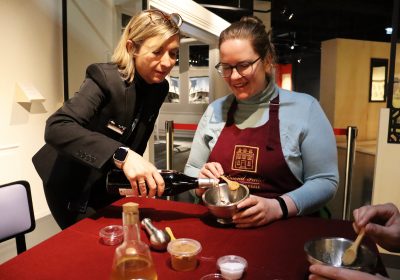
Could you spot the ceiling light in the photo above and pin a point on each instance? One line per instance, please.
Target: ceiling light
(389, 30)
(299, 60)
(287, 13)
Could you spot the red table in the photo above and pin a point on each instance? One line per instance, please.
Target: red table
(274, 251)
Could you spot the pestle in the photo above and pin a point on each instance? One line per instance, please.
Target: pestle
(159, 239)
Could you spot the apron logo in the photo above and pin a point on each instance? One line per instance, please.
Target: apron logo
(245, 158)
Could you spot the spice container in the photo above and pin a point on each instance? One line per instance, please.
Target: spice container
(231, 266)
(184, 253)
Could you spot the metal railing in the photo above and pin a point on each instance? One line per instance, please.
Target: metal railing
(351, 135)
(170, 127)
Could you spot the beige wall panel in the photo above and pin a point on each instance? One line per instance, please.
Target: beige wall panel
(328, 78)
(350, 79)
(350, 59)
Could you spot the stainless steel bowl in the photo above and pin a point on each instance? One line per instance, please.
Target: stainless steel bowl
(222, 202)
(329, 251)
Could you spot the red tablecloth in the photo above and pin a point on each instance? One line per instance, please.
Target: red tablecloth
(274, 251)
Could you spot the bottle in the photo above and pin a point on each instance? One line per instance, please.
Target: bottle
(175, 182)
(132, 259)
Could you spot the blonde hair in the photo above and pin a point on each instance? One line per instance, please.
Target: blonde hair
(147, 24)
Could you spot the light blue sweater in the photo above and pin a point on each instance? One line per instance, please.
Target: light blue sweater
(307, 139)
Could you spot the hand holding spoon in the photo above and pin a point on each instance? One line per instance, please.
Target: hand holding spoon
(350, 255)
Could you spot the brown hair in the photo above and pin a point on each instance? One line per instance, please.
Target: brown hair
(252, 29)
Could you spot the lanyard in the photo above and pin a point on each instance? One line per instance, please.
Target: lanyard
(129, 132)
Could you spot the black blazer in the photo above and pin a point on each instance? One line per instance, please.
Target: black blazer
(82, 136)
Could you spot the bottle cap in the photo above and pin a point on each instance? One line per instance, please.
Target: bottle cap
(131, 207)
(205, 183)
(215, 182)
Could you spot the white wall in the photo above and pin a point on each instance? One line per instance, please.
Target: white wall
(31, 53)
(386, 180)
(386, 183)
(94, 28)
(90, 37)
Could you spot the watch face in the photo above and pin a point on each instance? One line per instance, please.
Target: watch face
(120, 154)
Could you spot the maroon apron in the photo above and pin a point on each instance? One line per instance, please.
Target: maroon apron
(253, 156)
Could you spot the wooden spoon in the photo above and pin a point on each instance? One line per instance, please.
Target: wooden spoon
(169, 231)
(350, 255)
(233, 186)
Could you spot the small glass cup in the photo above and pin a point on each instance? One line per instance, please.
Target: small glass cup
(212, 276)
(184, 253)
(231, 266)
(111, 235)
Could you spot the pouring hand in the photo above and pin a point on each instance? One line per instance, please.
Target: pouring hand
(140, 173)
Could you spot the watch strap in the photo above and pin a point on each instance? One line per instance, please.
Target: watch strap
(283, 206)
(120, 155)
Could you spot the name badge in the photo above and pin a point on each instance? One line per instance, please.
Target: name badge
(116, 127)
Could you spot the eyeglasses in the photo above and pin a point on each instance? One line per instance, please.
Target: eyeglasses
(244, 68)
(158, 17)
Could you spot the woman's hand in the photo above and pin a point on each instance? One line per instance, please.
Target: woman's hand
(256, 211)
(209, 170)
(140, 173)
(324, 272)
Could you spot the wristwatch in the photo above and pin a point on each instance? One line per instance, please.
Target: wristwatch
(120, 156)
(283, 206)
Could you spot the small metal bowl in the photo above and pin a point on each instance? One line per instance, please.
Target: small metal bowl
(329, 251)
(222, 202)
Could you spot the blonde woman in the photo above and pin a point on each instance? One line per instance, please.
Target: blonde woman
(109, 121)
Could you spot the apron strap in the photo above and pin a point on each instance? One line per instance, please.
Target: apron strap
(273, 128)
(231, 112)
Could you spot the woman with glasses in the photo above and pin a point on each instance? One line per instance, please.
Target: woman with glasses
(278, 143)
(108, 122)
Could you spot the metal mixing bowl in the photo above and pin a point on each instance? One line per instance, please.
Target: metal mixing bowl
(222, 202)
(329, 251)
